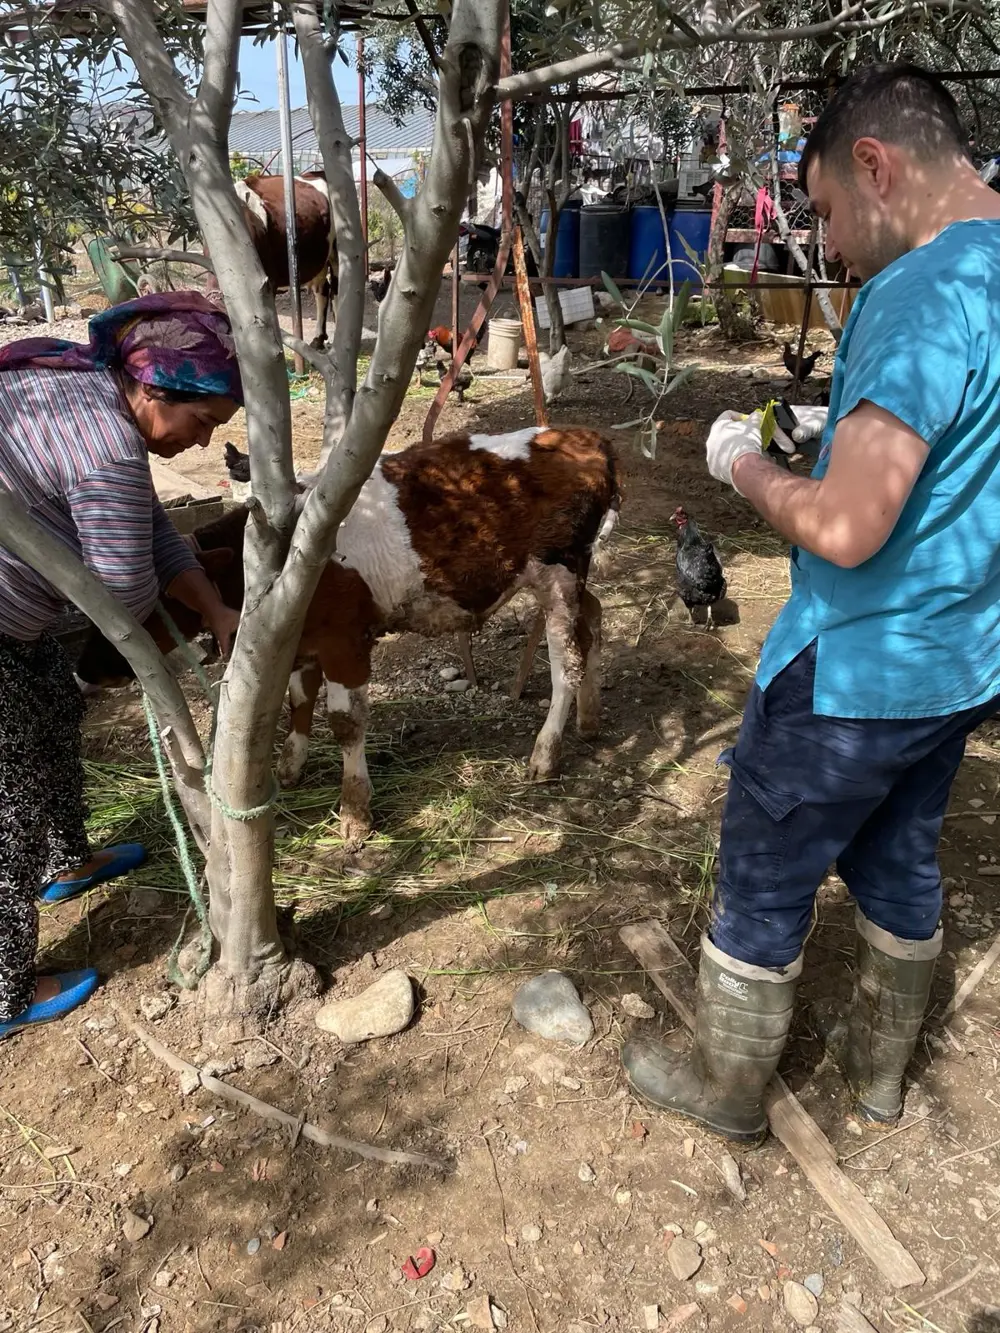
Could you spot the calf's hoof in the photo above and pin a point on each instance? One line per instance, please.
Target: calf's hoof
(354, 829)
(543, 765)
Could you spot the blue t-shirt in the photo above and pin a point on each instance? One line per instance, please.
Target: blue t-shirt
(915, 630)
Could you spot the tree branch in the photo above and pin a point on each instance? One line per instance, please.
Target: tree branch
(165, 256)
(56, 563)
(425, 34)
(223, 24)
(320, 361)
(392, 194)
(850, 18)
(352, 259)
(469, 67)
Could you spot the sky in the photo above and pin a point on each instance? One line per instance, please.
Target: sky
(258, 76)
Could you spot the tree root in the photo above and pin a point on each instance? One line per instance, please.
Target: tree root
(237, 1007)
(295, 1126)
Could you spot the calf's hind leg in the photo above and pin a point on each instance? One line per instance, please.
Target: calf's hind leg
(348, 714)
(302, 691)
(557, 591)
(588, 696)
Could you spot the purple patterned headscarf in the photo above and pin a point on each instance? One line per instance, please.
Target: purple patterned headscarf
(173, 340)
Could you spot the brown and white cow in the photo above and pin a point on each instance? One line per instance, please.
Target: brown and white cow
(442, 535)
(263, 200)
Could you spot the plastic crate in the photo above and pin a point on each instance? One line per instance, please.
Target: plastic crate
(577, 305)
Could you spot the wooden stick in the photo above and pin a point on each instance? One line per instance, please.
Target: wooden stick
(528, 657)
(972, 981)
(791, 1123)
(951, 1288)
(528, 327)
(847, 1319)
(311, 1132)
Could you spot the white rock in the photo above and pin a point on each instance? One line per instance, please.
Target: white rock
(586, 1173)
(636, 1007)
(457, 687)
(550, 1006)
(379, 1011)
(155, 1007)
(449, 673)
(800, 1303)
(531, 1233)
(134, 1227)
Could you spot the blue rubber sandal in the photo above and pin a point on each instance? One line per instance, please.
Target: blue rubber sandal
(121, 859)
(74, 989)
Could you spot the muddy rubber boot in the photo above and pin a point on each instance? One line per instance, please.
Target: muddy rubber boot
(742, 1020)
(892, 985)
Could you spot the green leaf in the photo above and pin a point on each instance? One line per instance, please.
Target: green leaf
(639, 324)
(652, 383)
(611, 287)
(680, 378)
(681, 302)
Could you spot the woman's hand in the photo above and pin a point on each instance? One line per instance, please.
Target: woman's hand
(197, 591)
(224, 623)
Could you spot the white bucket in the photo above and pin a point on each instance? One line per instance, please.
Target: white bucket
(504, 344)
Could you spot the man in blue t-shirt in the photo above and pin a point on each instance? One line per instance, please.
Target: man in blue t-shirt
(887, 654)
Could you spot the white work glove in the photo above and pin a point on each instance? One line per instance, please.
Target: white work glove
(812, 423)
(732, 435)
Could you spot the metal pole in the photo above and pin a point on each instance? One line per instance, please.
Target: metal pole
(288, 172)
(363, 144)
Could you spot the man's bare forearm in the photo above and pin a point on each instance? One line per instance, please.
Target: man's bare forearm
(794, 506)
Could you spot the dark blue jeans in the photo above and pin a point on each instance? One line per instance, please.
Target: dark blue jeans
(807, 792)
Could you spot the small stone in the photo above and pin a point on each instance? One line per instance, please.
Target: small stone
(144, 902)
(764, 1292)
(457, 687)
(379, 1324)
(531, 1233)
(571, 1084)
(550, 1006)
(455, 1281)
(636, 1007)
(853, 1128)
(814, 1283)
(177, 1172)
(731, 1175)
(684, 1258)
(371, 1206)
(681, 1315)
(737, 1303)
(449, 673)
(515, 1084)
(689, 1146)
(253, 1245)
(651, 1317)
(381, 1010)
(623, 1198)
(134, 1227)
(480, 1313)
(163, 1279)
(586, 1173)
(578, 1249)
(104, 1301)
(155, 1007)
(279, 1241)
(800, 1303)
(259, 1057)
(189, 1080)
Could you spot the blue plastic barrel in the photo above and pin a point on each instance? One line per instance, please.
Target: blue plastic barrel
(694, 225)
(647, 246)
(648, 255)
(567, 260)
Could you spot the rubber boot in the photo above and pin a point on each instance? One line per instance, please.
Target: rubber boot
(892, 985)
(742, 1021)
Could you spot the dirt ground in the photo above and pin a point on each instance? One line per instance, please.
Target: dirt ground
(560, 1193)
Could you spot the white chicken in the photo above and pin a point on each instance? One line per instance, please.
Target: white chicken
(555, 373)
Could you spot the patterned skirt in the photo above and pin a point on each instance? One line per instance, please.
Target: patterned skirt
(42, 809)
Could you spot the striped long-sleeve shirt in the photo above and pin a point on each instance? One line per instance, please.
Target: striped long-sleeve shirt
(70, 452)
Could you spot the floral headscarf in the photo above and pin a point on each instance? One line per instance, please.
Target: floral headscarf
(173, 340)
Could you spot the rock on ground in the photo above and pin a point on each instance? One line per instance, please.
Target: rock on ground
(684, 1258)
(800, 1303)
(550, 1006)
(379, 1011)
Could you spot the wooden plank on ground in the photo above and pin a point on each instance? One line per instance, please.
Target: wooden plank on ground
(673, 977)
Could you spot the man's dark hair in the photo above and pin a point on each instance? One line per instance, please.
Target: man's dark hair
(900, 104)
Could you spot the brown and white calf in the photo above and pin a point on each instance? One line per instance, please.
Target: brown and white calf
(443, 535)
(263, 200)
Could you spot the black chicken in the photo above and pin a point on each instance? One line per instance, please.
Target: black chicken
(379, 287)
(237, 464)
(700, 581)
(808, 362)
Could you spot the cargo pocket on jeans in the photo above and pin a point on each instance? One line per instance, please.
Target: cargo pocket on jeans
(757, 825)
